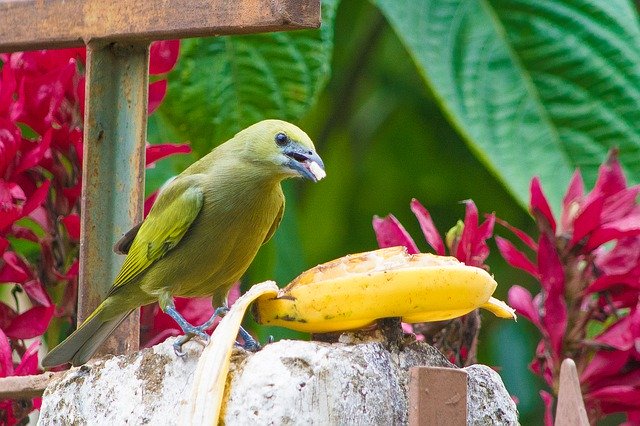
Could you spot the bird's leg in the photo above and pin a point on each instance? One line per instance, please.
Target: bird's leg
(250, 343)
(189, 330)
(219, 312)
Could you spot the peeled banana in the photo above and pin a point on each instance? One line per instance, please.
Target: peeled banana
(354, 291)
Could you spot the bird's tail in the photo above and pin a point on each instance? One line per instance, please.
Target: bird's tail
(80, 346)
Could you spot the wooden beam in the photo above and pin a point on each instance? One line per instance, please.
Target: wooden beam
(19, 387)
(47, 24)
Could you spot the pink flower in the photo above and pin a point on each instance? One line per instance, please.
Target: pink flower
(589, 273)
(467, 244)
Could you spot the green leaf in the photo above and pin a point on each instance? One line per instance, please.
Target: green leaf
(223, 84)
(536, 87)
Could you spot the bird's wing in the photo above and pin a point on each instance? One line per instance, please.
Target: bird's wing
(275, 224)
(163, 228)
(124, 244)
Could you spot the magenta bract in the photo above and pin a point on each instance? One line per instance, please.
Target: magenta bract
(589, 274)
(41, 111)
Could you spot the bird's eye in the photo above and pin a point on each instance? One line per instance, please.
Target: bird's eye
(281, 139)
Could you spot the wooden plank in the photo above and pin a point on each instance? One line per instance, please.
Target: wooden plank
(437, 396)
(570, 410)
(19, 387)
(112, 173)
(46, 24)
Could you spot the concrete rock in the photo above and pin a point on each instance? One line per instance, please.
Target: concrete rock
(286, 383)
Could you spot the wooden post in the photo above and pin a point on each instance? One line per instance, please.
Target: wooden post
(49, 24)
(570, 410)
(437, 396)
(27, 387)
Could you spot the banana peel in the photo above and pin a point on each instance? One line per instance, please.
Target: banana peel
(354, 291)
(207, 390)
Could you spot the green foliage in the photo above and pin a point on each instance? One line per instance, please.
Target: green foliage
(536, 87)
(227, 83)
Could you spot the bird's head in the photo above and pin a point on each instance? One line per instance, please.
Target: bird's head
(283, 149)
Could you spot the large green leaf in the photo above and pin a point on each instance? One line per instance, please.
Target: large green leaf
(537, 87)
(223, 84)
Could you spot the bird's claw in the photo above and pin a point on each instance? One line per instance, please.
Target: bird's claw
(250, 344)
(196, 332)
(191, 331)
(177, 346)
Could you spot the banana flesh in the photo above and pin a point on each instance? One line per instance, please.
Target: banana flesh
(354, 291)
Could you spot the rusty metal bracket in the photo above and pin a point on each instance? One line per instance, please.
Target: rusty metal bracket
(112, 172)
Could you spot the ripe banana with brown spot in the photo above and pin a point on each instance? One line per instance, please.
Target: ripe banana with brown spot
(354, 291)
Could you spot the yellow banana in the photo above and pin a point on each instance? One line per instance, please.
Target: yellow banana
(355, 290)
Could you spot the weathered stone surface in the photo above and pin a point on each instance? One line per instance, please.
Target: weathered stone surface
(488, 402)
(147, 387)
(286, 383)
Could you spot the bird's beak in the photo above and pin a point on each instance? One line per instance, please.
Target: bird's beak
(304, 161)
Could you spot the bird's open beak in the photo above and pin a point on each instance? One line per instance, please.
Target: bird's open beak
(304, 161)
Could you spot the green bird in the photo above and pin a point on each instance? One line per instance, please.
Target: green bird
(202, 233)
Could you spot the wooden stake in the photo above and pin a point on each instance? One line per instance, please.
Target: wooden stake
(437, 396)
(570, 410)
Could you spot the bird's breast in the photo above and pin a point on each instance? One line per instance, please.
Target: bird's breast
(221, 243)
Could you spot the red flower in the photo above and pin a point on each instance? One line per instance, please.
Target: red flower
(41, 112)
(589, 273)
(160, 151)
(390, 232)
(28, 366)
(164, 55)
(466, 242)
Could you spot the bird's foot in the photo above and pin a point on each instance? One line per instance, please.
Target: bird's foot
(219, 312)
(191, 331)
(250, 344)
(177, 345)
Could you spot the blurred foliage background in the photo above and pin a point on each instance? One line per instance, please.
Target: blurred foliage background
(441, 101)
